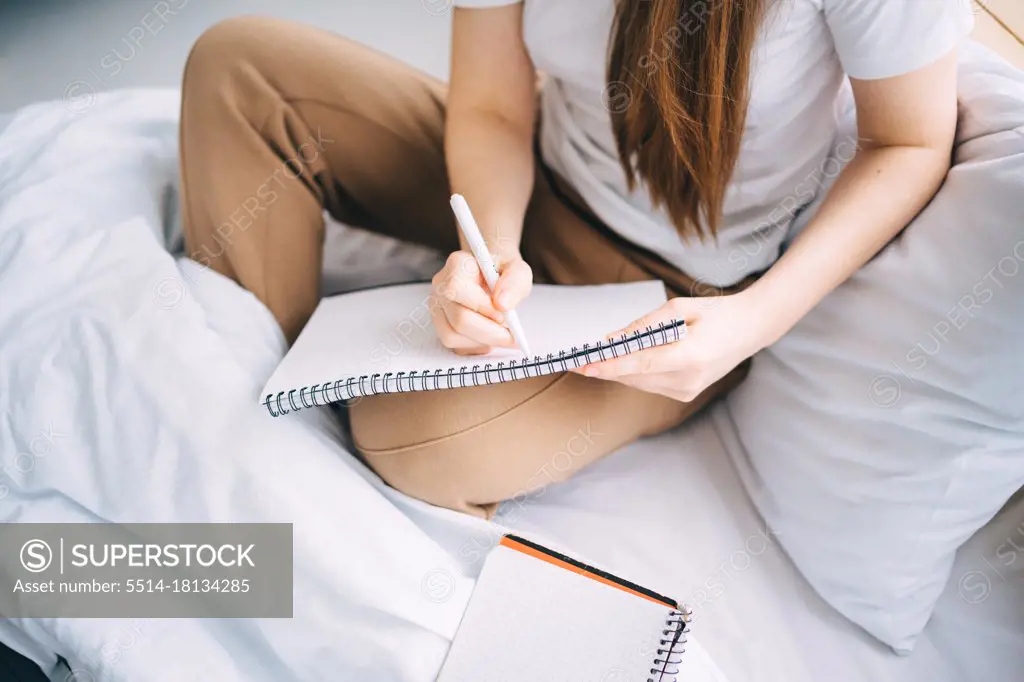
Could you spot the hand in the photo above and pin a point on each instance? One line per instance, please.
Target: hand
(470, 320)
(721, 332)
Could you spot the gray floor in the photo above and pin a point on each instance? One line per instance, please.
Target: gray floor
(51, 49)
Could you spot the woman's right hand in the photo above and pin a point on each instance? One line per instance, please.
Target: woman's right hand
(470, 319)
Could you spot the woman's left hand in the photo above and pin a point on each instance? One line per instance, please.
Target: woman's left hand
(721, 332)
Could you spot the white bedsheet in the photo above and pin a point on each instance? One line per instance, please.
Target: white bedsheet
(672, 511)
(145, 370)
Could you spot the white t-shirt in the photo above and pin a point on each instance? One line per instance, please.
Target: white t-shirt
(804, 51)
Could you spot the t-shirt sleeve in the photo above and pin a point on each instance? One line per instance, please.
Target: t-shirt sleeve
(885, 38)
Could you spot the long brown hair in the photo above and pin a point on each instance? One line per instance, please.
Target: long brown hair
(678, 80)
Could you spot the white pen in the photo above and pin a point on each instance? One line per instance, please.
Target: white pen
(470, 230)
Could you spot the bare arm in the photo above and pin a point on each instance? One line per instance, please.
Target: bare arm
(489, 153)
(489, 128)
(906, 126)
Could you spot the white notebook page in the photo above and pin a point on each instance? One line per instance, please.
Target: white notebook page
(389, 329)
(531, 621)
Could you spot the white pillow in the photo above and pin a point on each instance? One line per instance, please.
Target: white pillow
(979, 621)
(888, 426)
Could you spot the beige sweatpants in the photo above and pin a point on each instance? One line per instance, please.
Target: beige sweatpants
(282, 121)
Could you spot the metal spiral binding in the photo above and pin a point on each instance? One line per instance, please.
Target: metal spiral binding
(670, 650)
(328, 392)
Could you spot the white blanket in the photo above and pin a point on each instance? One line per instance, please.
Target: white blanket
(140, 372)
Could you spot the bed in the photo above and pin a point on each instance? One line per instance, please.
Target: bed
(146, 368)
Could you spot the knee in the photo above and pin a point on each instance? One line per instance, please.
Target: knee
(222, 47)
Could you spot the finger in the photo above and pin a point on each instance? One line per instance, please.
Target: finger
(474, 296)
(662, 384)
(466, 286)
(641, 382)
(473, 325)
(450, 338)
(650, 383)
(479, 350)
(675, 309)
(650, 361)
(513, 285)
(463, 267)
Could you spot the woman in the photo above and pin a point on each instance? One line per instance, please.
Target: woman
(670, 142)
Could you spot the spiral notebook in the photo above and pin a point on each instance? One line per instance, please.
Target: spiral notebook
(382, 340)
(537, 615)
